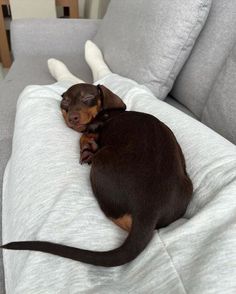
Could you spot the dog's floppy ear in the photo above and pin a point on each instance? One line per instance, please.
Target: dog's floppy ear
(109, 99)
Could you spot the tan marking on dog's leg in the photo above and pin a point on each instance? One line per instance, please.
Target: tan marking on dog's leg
(124, 222)
(88, 140)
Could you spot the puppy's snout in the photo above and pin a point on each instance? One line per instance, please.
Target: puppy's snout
(74, 118)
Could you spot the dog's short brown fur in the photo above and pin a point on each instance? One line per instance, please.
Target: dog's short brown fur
(138, 172)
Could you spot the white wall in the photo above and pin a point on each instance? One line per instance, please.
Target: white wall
(46, 8)
(33, 8)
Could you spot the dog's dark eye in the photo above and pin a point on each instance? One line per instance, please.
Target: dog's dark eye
(89, 100)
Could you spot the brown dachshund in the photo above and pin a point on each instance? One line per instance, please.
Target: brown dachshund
(138, 172)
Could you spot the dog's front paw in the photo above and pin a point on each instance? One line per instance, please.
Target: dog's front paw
(88, 146)
(86, 156)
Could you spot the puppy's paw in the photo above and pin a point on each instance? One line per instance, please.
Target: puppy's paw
(86, 156)
(88, 142)
(90, 145)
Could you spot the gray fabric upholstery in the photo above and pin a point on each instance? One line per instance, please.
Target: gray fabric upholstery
(195, 81)
(51, 37)
(220, 110)
(150, 42)
(171, 101)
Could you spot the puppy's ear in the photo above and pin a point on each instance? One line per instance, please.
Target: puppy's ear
(109, 99)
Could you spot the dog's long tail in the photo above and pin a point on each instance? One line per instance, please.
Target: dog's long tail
(141, 233)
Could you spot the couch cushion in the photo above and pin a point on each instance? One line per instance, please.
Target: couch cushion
(39, 37)
(220, 110)
(194, 83)
(150, 42)
(170, 100)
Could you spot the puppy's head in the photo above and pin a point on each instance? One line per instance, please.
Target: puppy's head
(82, 102)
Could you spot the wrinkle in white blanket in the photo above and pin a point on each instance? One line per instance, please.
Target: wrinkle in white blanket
(47, 196)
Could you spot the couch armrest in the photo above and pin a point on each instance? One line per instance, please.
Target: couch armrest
(53, 37)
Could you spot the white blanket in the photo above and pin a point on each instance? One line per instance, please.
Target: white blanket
(47, 196)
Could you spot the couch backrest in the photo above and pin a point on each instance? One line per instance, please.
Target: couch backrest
(214, 44)
(220, 110)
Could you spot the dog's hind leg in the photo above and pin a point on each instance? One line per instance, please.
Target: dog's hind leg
(94, 58)
(61, 73)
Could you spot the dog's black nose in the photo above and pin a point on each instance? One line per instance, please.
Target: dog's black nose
(74, 118)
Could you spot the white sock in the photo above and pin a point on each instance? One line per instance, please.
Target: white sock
(94, 58)
(61, 73)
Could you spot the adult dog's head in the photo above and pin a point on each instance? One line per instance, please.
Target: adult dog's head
(82, 102)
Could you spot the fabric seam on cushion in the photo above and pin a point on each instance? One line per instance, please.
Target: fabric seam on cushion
(172, 262)
(215, 80)
(201, 9)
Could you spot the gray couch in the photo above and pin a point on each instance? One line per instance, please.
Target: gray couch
(205, 88)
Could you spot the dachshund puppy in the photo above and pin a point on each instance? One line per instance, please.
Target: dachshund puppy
(138, 172)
